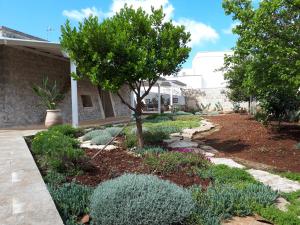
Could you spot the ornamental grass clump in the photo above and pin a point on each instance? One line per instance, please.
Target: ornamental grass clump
(170, 162)
(92, 134)
(222, 202)
(56, 151)
(72, 200)
(140, 200)
(113, 130)
(101, 140)
(150, 149)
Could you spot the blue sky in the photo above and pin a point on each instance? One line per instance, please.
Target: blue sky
(205, 19)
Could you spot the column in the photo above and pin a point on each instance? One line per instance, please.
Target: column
(159, 98)
(74, 97)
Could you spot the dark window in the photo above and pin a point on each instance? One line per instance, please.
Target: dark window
(86, 101)
(175, 100)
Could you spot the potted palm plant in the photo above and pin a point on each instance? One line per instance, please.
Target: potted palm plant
(50, 96)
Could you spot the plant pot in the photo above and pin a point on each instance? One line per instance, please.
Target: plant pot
(53, 117)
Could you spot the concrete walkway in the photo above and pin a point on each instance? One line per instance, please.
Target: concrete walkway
(24, 198)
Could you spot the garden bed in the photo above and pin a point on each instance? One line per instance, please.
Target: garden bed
(243, 137)
(128, 185)
(111, 164)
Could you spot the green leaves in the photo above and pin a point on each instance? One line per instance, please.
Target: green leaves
(266, 55)
(126, 48)
(49, 93)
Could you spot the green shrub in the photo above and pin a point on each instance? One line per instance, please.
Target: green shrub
(291, 175)
(130, 140)
(223, 202)
(101, 140)
(182, 113)
(113, 130)
(169, 162)
(54, 179)
(56, 151)
(297, 146)
(65, 129)
(222, 174)
(140, 200)
(188, 118)
(72, 200)
(156, 118)
(154, 137)
(277, 216)
(150, 149)
(95, 133)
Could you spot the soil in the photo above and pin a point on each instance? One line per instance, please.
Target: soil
(111, 164)
(241, 136)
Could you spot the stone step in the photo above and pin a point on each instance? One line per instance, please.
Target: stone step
(276, 182)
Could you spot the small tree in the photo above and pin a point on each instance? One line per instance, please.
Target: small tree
(131, 48)
(266, 59)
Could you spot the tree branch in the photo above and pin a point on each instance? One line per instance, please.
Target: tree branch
(150, 86)
(124, 102)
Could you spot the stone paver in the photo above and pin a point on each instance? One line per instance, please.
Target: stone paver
(183, 144)
(228, 162)
(274, 181)
(88, 145)
(24, 198)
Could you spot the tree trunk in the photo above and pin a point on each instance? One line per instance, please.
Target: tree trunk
(139, 126)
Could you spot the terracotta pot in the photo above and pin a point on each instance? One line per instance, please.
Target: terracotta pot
(53, 117)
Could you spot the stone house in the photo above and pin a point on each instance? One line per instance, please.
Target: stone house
(26, 60)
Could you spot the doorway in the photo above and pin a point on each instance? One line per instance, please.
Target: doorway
(106, 103)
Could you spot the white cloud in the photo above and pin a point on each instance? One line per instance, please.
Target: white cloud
(200, 32)
(229, 29)
(79, 15)
(145, 5)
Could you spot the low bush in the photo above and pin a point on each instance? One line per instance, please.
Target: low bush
(113, 130)
(183, 113)
(223, 202)
(130, 140)
(101, 140)
(66, 129)
(188, 118)
(54, 179)
(140, 200)
(277, 216)
(56, 151)
(150, 149)
(169, 162)
(222, 174)
(156, 118)
(291, 175)
(95, 133)
(72, 200)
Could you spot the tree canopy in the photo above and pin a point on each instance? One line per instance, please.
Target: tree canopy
(266, 59)
(131, 48)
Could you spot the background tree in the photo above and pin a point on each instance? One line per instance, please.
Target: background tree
(131, 48)
(266, 59)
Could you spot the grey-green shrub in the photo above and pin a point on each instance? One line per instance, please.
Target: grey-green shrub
(101, 140)
(95, 133)
(113, 130)
(140, 200)
(150, 149)
(224, 201)
(71, 200)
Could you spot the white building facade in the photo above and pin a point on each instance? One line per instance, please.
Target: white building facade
(205, 83)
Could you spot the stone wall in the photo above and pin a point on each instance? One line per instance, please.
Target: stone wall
(121, 109)
(209, 96)
(19, 70)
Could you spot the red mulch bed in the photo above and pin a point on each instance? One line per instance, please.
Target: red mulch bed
(243, 137)
(110, 164)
